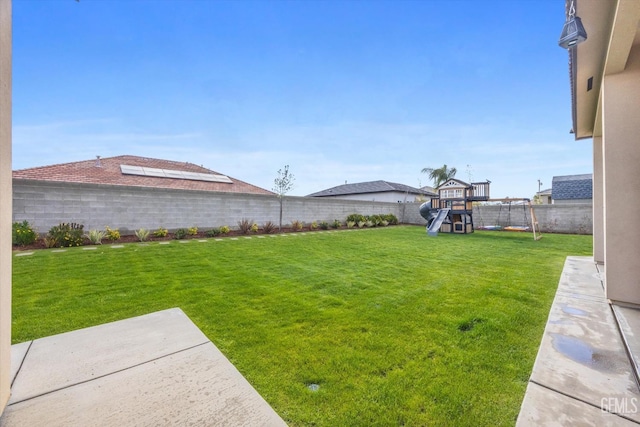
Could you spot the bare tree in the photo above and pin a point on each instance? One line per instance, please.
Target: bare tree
(282, 185)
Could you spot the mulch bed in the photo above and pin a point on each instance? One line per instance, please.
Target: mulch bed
(131, 238)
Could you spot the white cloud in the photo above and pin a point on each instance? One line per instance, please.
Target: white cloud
(324, 156)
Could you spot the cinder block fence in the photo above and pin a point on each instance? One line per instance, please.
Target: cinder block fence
(563, 218)
(45, 204)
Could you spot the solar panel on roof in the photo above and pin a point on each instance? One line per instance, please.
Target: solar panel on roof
(175, 174)
(153, 172)
(131, 170)
(215, 178)
(191, 175)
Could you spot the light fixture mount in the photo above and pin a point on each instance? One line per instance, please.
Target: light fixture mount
(573, 32)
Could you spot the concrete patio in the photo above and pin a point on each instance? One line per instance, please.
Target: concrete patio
(585, 372)
(157, 369)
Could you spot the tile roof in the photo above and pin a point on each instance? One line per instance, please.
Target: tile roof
(107, 171)
(569, 187)
(367, 187)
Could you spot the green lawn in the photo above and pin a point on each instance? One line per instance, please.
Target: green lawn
(396, 327)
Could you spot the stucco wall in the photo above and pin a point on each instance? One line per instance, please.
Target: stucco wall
(621, 157)
(598, 201)
(5, 201)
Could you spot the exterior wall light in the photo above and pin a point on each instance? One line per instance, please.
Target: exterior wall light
(573, 31)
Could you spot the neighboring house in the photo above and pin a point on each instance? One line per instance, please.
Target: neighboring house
(572, 189)
(428, 190)
(130, 192)
(544, 197)
(137, 171)
(376, 191)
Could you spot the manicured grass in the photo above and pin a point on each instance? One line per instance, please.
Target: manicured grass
(395, 327)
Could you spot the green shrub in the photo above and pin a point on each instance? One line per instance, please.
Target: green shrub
(324, 225)
(375, 219)
(161, 232)
(355, 218)
(391, 218)
(350, 224)
(213, 232)
(336, 223)
(254, 228)
(313, 226)
(66, 235)
(111, 234)
(384, 223)
(95, 236)
(361, 224)
(296, 225)
(192, 231)
(245, 225)
(50, 242)
(23, 234)
(225, 229)
(268, 227)
(181, 233)
(142, 234)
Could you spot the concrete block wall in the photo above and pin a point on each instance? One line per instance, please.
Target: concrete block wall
(45, 204)
(574, 218)
(563, 218)
(411, 213)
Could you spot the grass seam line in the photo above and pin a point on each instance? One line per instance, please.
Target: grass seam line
(165, 242)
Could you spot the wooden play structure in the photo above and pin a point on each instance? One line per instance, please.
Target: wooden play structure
(452, 210)
(454, 205)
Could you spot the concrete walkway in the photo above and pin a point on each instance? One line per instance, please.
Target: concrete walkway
(582, 375)
(152, 370)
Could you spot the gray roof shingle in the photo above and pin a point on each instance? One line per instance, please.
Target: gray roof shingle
(569, 187)
(367, 187)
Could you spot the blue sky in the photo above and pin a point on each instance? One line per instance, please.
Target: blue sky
(339, 90)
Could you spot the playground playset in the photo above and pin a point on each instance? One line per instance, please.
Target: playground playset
(452, 210)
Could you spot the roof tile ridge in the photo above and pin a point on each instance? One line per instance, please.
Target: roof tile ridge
(52, 166)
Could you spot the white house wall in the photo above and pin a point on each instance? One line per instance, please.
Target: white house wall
(387, 196)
